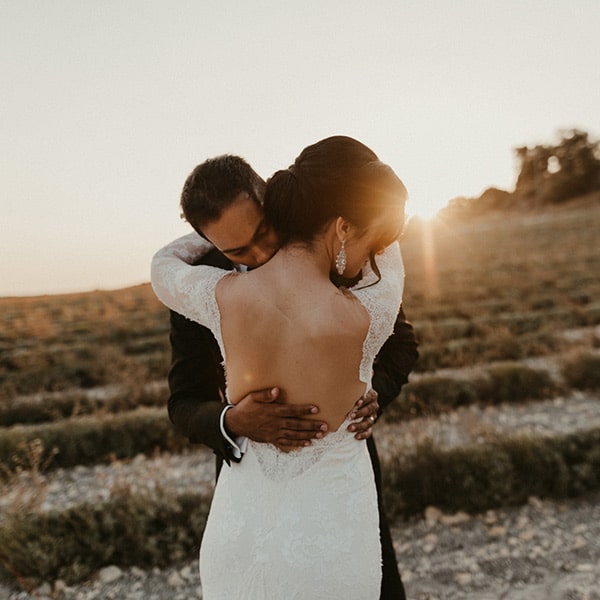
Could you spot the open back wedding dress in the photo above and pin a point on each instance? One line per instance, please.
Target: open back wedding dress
(301, 525)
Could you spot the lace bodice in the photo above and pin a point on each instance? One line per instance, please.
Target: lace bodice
(190, 291)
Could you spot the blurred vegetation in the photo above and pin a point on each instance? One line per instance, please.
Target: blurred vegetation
(548, 175)
(127, 530)
(55, 343)
(499, 472)
(83, 376)
(501, 383)
(95, 438)
(44, 407)
(582, 371)
(145, 531)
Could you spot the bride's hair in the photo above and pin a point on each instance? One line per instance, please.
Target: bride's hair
(337, 176)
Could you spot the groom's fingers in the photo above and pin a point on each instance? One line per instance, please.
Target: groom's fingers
(287, 445)
(284, 410)
(260, 417)
(268, 395)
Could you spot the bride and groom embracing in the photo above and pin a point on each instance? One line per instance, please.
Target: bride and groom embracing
(298, 516)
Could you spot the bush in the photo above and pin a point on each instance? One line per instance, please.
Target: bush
(430, 396)
(53, 406)
(583, 371)
(134, 529)
(127, 530)
(86, 440)
(512, 382)
(502, 472)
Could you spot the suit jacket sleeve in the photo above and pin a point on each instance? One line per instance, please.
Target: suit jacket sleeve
(395, 361)
(196, 378)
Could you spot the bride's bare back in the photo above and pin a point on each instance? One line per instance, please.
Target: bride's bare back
(302, 335)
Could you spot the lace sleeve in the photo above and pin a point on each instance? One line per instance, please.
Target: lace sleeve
(382, 299)
(187, 289)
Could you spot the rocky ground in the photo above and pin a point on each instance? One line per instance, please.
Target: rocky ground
(541, 551)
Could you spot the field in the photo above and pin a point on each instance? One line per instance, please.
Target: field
(507, 312)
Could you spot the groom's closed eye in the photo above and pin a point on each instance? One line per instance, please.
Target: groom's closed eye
(259, 233)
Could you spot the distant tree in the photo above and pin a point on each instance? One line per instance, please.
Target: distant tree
(552, 174)
(547, 175)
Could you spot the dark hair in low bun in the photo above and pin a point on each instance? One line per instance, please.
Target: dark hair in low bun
(337, 176)
(293, 211)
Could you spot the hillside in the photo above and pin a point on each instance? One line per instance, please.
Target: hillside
(489, 289)
(502, 409)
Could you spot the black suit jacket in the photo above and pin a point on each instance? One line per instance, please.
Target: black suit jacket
(197, 381)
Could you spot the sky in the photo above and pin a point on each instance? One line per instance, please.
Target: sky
(106, 106)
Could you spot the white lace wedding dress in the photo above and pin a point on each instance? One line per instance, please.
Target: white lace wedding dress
(301, 525)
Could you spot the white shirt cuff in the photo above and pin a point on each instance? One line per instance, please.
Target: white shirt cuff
(238, 447)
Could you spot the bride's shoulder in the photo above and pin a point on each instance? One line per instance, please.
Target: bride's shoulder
(229, 281)
(231, 287)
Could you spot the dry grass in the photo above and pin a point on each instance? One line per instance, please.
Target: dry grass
(504, 288)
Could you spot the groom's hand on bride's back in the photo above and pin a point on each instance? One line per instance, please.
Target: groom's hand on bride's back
(363, 415)
(262, 418)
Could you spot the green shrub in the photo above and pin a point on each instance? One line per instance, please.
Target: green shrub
(91, 439)
(132, 529)
(431, 395)
(592, 314)
(434, 394)
(502, 472)
(583, 371)
(512, 382)
(127, 530)
(53, 406)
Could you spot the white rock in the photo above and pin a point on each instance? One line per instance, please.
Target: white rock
(109, 574)
(578, 542)
(44, 589)
(455, 519)
(175, 580)
(186, 573)
(137, 572)
(527, 535)
(497, 531)
(463, 578)
(432, 515)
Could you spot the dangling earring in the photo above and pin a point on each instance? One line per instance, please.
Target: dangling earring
(340, 259)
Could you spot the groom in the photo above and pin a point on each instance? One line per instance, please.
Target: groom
(224, 198)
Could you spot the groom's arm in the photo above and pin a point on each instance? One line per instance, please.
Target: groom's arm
(196, 381)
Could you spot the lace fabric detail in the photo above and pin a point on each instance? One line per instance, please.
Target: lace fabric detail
(382, 301)
(294, 525)
(186, 288)
(278, 465)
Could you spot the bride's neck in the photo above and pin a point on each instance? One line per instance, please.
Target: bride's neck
(303, 260)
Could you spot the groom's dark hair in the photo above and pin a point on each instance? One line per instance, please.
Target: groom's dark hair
(213, 185)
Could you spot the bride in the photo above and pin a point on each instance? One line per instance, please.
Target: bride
(302, 524)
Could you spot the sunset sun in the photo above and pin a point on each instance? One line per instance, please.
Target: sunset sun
(424, 209)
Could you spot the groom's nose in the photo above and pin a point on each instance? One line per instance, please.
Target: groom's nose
(261, 255)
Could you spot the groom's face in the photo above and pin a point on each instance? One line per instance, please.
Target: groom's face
(241, 233)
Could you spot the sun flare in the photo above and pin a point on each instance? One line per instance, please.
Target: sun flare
(424, 210)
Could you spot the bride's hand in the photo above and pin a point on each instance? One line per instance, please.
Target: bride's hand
(364, 415)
